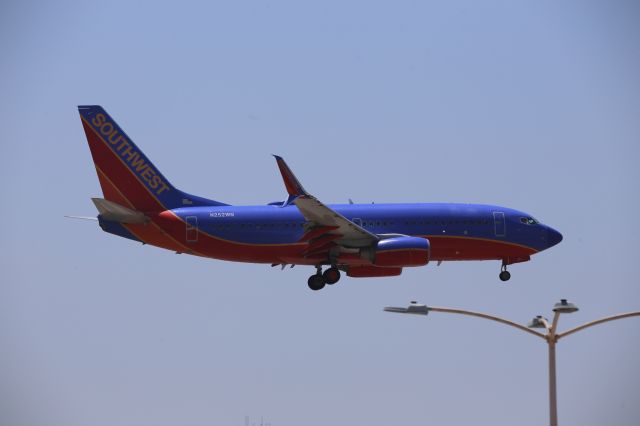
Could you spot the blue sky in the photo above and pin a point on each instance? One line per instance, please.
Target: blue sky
(531, 105)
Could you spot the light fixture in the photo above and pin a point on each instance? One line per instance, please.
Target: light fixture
(413, 308)
(564, 307)
(538, 322)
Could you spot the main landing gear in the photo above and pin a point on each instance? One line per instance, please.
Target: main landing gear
(504, 274)
(318, 280)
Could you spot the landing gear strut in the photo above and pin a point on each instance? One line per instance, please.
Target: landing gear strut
(318, 280)
(504, 274)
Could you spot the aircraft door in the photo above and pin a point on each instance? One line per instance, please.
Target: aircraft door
(499, 224)
(192, 229)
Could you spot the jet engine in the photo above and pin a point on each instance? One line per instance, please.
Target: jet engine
(398, 252)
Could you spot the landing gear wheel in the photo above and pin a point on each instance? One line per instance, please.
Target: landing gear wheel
(316, 282)
(331, 276)
(505, 275)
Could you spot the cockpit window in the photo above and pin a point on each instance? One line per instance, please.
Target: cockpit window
(529, 221)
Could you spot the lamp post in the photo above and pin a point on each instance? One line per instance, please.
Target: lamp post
(551, 336)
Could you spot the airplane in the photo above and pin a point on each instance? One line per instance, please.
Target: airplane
(360, 240)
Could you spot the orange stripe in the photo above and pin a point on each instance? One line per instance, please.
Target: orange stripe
(124, 163)
(159, 238)
(151, 238)
(480, 239)
(214, 239)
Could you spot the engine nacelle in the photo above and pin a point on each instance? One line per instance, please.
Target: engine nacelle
(399, 252)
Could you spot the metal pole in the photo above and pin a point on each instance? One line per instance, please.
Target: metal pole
(486, 316)
(553, 392)
(599, 321)
(553, 406)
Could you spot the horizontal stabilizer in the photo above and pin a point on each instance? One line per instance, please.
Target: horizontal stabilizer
(116, 213)
(82, 217)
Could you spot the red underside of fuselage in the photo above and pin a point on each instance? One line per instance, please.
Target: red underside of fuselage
(168, 231)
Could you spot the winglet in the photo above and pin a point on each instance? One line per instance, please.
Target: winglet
(294, 188)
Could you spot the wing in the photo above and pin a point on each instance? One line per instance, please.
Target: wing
(325, 228)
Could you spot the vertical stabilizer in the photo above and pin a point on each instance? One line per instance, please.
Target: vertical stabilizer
(126, 175)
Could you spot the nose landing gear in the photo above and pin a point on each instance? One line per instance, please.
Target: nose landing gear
(504, 274)
(318, 280)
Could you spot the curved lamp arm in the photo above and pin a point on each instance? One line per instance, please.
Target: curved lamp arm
(489, 317)
(596, 322)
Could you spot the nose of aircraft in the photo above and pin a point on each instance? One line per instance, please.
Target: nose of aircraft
(553, 236)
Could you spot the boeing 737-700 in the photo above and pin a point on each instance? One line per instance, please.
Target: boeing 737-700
(361, 240)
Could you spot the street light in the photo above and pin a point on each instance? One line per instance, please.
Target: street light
(551, 336)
